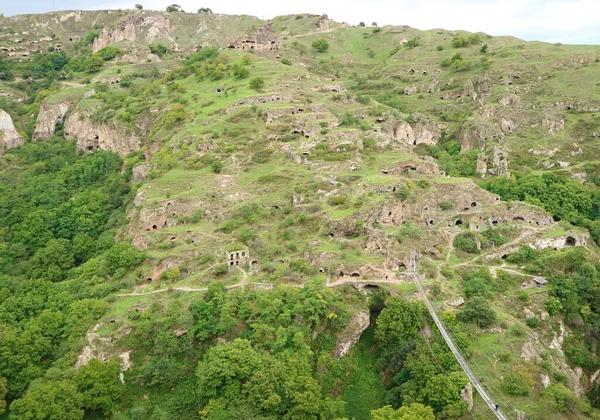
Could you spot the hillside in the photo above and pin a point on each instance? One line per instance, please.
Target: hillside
(211, 216)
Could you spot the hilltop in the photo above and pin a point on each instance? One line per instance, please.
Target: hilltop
(205, 186)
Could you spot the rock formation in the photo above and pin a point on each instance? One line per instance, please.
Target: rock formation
(49, 116)
(125, 31)
(140, 172)
(263, 39)
(9, 137)
(99, 136)
(351, 334)
(467, 395)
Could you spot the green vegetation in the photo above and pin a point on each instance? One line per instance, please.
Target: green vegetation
(321, 45)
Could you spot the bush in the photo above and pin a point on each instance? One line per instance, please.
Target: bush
(240, 72)
(402, 192)
(257, 83)
(446, 205)
(466, 242)
(158, 49)
(413, 42)
(477, 311)
(518, 382)
(286, 61)
(459, 42)
(483, 49)
(126, 82)
(216, 166)
(336, 200)
(108, 53)
(533, 322)
(321, 45)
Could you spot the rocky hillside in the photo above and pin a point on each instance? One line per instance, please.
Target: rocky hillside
(282, 160)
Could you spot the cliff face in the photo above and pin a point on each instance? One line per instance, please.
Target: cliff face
(48, 117)
(93, 136)
(9, 137)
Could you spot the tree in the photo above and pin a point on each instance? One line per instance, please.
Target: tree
(478, 311)
(398, 322)
(240, 72)
(414, 411)
(139, 6)
(93, 63)
(257, 83)
(465, 242)
(49, 400)
(100, 386)
(3, 391)
(374, 24)
(321, 45)
(361, 24)
(174, 8)
(108, 53)
(53, 261)
(205, 10)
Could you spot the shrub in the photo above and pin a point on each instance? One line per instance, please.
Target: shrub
(533, 322)
(459, 42)
(402, 192)
(286, 61)
(466, 242)
(413, 42)
(321, 45)
(518, 382)
(108, 53)
(446, 205)
(158, 49)
(440, 48)
(483, 49)
(336, 200)
(257, 83)
(126, 82)
(139, 6)
(216, 166)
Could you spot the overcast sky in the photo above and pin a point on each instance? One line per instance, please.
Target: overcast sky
(567, 21)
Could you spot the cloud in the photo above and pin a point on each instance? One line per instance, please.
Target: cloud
(567, 21)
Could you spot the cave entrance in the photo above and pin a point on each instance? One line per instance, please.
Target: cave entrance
(570, 241)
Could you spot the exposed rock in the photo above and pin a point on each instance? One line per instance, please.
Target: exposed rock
(125, 31)
(499, 164)
(330, 88)
(545, 379)
(512, 101)
(467, 395)
(99, 136)
(559, 242)
(264, 38)
(507, 125)
(531, 353)
(9, 137)
(553, 126)
(351, 334)
(324, 23)
(49, 116)
(140, 172)
(426, 132)
(481, 167)
(410, 90)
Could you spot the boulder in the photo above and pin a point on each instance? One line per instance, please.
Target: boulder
(351, 334)
(49, 116)
(467, 395)
(9, 137)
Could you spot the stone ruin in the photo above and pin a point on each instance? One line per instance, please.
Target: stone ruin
(238, 258)
(264, 39)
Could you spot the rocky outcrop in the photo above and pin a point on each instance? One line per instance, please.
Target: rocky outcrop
(140, 172)
(125, 31)
(467, 396)
(324, 23)
(499, 164)
(351, 334)
(264, 38)
(9, 137)
(560, 242)
(49, 116)
(93, 136)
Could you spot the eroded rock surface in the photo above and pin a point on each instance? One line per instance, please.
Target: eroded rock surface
(93, 136)
(9, 137)
(49, 116)
(351, 334)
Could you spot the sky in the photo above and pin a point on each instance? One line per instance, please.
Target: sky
(566, 21)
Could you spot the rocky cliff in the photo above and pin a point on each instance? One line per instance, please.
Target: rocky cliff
(93, 136)
(49, 116)
(9, 137)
